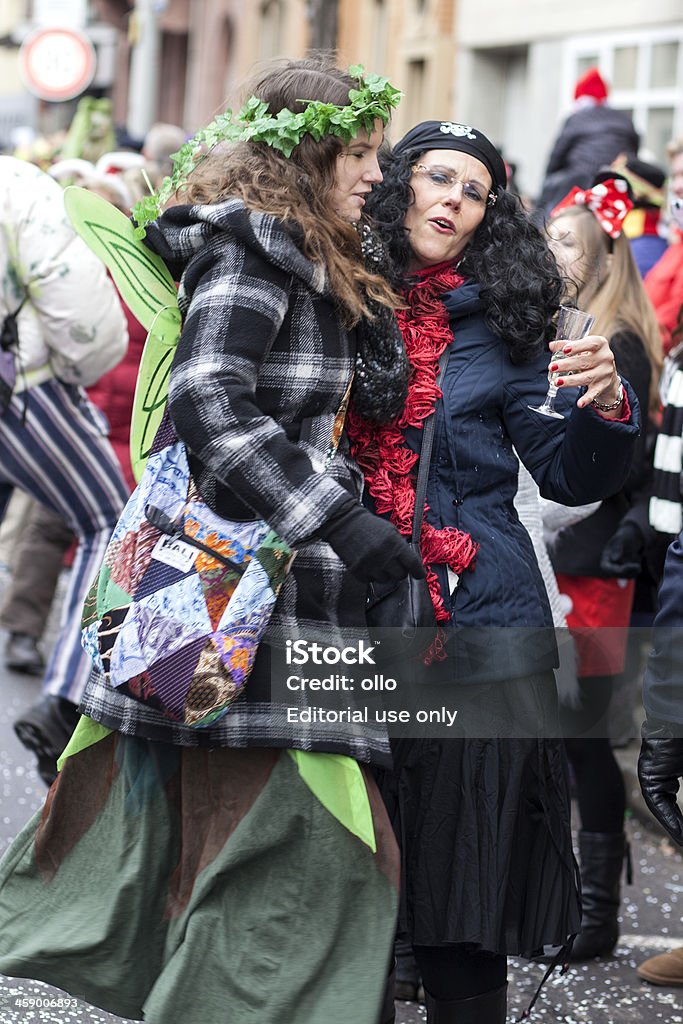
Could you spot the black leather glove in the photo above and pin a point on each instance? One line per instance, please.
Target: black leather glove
(623, 554)
(370, 547)
(660, 769)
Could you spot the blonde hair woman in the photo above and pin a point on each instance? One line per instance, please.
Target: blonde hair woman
(593, 558)
(603, 279)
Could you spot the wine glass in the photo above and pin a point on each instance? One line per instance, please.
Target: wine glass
(571, 325)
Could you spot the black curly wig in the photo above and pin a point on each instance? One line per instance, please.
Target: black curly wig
(508, 257)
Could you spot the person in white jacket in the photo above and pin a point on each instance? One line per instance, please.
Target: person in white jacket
(61, 328)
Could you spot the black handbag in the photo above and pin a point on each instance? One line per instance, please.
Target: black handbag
(400, 616)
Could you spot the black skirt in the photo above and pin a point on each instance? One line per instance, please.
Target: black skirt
(483, 822)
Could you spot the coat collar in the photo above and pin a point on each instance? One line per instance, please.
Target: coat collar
(183, 230)
(464, 301)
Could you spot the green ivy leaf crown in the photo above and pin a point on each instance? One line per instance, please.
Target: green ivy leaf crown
(373, 99)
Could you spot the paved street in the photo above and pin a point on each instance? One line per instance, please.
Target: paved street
(606, 992)
(609, 991)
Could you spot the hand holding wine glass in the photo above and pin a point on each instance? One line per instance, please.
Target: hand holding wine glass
(572, 324)
(588, 362)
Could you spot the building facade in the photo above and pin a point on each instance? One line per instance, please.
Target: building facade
(174, 59)
(202, 49)
(508, 67)
(17, 106)
(182, 61)
(412, 42)
(516, 66)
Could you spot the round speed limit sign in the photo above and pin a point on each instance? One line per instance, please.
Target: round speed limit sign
(57, 63)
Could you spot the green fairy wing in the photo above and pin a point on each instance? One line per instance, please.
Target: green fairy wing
(149, 291)
(151, 390)
(141, 276)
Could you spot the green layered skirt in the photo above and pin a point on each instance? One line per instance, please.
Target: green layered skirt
(205, 886)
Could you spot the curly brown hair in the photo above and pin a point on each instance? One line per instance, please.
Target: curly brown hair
(297, 189)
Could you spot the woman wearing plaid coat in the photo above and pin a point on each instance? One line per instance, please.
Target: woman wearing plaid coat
(229, 872)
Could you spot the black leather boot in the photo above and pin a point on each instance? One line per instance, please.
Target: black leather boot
(408, 981)
(487, 1008)
(45, 729)
(602, 857)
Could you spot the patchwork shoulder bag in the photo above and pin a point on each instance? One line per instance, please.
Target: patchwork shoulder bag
(183, 597)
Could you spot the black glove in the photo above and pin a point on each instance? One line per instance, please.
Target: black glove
(370, 547)
(623, 554)
(660, 768)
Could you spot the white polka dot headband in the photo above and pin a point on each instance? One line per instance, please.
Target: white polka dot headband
(608, 201)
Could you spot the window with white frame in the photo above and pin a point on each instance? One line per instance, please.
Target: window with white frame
(644, 71)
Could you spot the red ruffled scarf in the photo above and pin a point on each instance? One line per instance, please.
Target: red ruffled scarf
(380, 450)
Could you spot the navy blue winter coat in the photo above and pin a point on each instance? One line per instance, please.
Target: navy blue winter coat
(500, 611)
(663, 682)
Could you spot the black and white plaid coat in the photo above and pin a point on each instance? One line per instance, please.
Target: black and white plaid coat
(261, 369)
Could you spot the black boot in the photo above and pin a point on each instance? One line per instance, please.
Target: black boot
(602, 858)
(45, 729)
(487, 1008)
(408, 982)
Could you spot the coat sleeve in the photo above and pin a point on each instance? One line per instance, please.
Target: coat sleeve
(71, 299)
(664, 286)
(576, 460)
(237, 308)
(663, 681)
(633, 365)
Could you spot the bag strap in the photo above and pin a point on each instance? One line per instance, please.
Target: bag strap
(338, 425)
(425, 458)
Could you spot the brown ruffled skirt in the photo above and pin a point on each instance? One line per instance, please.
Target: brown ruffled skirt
(172, 884)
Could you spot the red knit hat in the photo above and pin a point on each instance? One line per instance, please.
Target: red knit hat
(591, 84)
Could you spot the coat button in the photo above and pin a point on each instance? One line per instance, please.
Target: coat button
(457, 501)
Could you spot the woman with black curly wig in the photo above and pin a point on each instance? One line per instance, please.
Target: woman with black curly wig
(482, 810)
